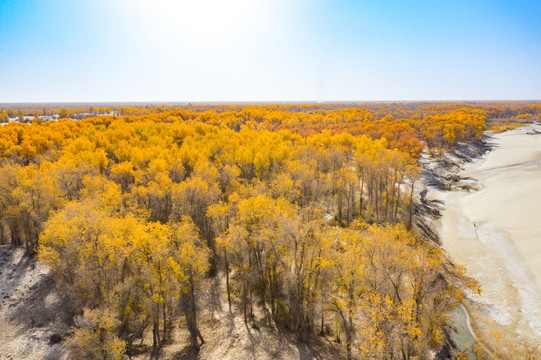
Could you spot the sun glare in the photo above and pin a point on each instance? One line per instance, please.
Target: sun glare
(206, 22)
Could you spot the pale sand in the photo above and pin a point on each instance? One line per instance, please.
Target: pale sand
(496, 233)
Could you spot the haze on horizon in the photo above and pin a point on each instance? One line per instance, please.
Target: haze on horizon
(268, 50)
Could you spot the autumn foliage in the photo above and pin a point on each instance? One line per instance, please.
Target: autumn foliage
(303, 209)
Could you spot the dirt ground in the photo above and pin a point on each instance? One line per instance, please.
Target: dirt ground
(33, 316)
(35, 320)
(227, 337)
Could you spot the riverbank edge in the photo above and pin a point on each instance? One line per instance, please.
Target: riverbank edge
(443, 174)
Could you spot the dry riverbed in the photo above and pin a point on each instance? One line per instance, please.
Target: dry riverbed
(491, 222)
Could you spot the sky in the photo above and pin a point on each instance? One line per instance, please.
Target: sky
(269, 50)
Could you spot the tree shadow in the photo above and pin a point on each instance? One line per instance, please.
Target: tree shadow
(29, 297)
(306, 352)
(188, 353)
(13, 268)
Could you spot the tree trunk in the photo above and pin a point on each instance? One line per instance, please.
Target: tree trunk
(397, 199)
(245, 301)
(377, 203)
(156, 335)
(190, 312)
(164, 314)
(361, 198)
(227, 279)
(349, 326)
(410, 223)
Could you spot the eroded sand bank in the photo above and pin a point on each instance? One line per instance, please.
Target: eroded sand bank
(496, 233)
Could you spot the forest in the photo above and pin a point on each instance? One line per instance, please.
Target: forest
(303, 210)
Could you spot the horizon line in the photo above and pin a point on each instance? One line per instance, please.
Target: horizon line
(265, 102)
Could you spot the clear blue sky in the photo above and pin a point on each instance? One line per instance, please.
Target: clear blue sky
(269, 50)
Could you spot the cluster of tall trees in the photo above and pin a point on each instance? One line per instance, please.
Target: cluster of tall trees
(125, 272)
(133, 213)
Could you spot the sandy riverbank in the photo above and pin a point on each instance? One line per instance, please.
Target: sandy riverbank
(496, 232)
